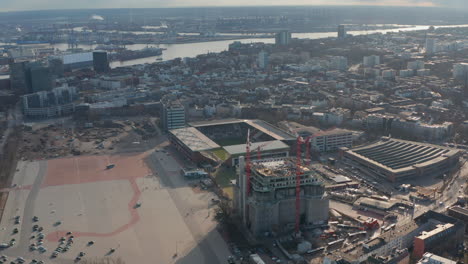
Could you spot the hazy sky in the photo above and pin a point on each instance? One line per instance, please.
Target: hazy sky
(70, 4)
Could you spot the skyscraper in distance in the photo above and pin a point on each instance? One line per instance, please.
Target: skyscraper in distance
(100, 61)
(341, 31)
(263, 59)
(283, 38)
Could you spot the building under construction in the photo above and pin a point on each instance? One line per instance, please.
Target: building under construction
(267, 201)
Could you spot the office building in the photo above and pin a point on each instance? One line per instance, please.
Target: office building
(430, 46)
(46, 104)
(263, 59)
(173, 115)
(460, 72)
(332, 140)
(415, 65)
(341, 31)
(39, 78)
(339, 63)
(371, 61)
(283, 38)
(18, 77)
(56, 67)
(270, 204)
(100, 61)
(31, 77)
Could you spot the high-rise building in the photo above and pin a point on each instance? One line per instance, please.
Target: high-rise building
(339, 63)
(173, 115)
(56, 67)
(263, 59)
(283, 38)
(430, 46)
(30, 77)
(341, 31)
(100, 61)
(371, 61)
(40, 78)
(270, 204)
(460, 71)
(18, 77)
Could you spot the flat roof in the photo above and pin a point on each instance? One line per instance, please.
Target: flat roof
(459, 209)
(431, 258)
(264, 146)
(435, 231)
(365, 201)
(194, 139)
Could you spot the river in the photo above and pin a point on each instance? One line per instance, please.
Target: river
(193, 49)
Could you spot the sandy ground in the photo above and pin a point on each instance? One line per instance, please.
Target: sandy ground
(172, 225)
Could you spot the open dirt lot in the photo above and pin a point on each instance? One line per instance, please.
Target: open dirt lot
(173, 224)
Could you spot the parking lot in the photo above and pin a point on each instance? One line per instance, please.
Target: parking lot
(133, 212)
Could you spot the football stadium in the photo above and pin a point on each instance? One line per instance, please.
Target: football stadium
(226, 139)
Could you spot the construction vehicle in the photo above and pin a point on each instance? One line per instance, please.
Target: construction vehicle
(371, 224)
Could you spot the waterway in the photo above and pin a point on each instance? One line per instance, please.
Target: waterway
(194, 49)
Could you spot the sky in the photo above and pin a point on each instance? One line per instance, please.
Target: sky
(11, 5)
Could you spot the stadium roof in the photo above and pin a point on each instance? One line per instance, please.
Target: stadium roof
(194, 139)
(216, 122)
(240, 149)
(270, 130)
(260, 125)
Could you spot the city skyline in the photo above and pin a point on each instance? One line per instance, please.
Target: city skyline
(10, 5)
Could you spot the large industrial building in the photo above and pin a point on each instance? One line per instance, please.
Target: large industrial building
(229, 136)
(397, 160)
(270, 205)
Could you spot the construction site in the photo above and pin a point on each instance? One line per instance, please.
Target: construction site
(72, 138)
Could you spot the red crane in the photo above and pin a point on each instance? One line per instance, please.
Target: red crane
(299, 142)
(259, 154)
(307, 142)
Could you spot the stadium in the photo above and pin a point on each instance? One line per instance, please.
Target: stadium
(397, 160)
(224, 140)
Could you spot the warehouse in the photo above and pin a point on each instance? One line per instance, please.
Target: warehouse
(397, 160)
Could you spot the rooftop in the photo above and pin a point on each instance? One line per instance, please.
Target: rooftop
(264, 146)
(437, 230)
(194, 139)
(364, 201)
(429, 258)
(277, 168)
(398, 155)
(260, 125)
